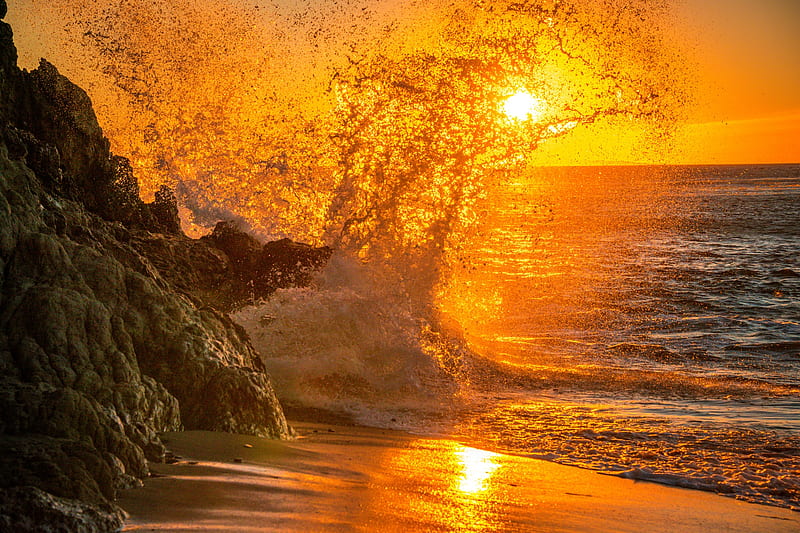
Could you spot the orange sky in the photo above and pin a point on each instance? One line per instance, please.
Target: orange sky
(746, 54)
(746, 58)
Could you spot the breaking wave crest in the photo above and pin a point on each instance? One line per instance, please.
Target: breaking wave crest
(352, 345)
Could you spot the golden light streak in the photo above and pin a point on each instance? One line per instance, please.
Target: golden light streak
(478, 467)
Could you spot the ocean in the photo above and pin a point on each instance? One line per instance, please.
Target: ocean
(639, 321)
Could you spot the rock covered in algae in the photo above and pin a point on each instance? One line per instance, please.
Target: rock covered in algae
(99, 350)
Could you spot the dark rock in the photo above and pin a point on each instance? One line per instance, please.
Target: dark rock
(240, 247)
(53, 125)
(165, 210)
(70, 124)
(8, 52)
(17, 142)
(105, 340)
(287, 263)
(255, 270)
(28, 509)
(192, 267)
(123, 194)
(229, 267)
(170, 458)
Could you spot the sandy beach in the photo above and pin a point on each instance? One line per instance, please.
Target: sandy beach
(344, 478)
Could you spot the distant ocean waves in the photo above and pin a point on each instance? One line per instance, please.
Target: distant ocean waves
(674, 354)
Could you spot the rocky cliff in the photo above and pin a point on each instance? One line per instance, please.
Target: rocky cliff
(111, 320)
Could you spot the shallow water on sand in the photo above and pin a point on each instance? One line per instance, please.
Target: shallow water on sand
(647, 321)
(335, 478)
(641, 321)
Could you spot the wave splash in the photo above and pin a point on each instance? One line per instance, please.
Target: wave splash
(385, 138)
(391, 170)
(356, 122)
(351, 344)
(376, 134)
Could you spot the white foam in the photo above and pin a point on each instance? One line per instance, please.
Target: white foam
(347, 344)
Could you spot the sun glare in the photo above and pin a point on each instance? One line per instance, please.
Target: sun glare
(478, 467)
(522, 105)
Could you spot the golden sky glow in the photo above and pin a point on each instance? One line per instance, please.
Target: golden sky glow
(743, 54)
(748, 68)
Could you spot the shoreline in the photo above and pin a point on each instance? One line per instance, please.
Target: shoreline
(353, 478)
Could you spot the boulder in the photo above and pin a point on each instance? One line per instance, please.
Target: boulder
(111, 322)
(229, 268)
(26, 509)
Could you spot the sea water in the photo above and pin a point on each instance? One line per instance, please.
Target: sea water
(639, 321)
(653, 319)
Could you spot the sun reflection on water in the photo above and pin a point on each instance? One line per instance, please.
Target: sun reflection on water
(478, 467)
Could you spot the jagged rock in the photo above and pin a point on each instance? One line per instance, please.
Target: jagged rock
(101, 346)
(256, 270)
(90, 316)
(165, 210)
(240, 247)
(70, 125)
(229, 267)
(287, 263)
(53, 127)
(31, 510)
(74, 404)
(8, 52)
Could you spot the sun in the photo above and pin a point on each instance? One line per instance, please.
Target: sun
(522, 105)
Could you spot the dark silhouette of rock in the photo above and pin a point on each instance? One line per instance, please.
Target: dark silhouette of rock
(8, 52)
(241, 248)
(256, 270)
(165, 211)
(229, 267)
(109, 324)
(288, 263)
(54, 129)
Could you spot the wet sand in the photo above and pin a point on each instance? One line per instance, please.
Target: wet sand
(344, 478)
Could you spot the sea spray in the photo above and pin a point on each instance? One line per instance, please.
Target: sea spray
(305, 120)
(379, 142)
(350, 344)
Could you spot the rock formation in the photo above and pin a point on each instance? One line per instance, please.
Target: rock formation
(228, 267)
(111, 328)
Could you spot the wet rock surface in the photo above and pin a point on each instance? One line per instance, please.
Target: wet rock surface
(31, 510)
(228, 267)
(111, 322)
